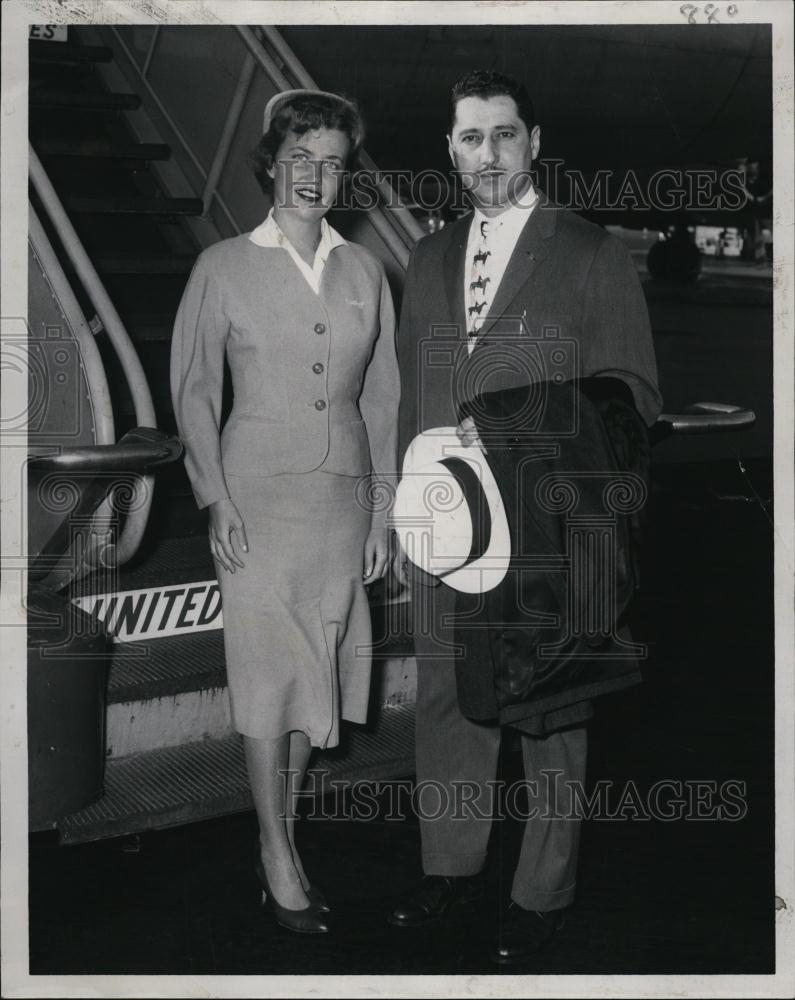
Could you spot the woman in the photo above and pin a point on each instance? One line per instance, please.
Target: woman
(305, 320)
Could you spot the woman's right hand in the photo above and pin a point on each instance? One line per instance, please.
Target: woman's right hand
(225, 520)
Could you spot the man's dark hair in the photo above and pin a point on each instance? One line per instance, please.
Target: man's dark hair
(486, 83)
(300, 114)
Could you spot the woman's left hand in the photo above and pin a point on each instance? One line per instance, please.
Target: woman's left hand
(376, 555)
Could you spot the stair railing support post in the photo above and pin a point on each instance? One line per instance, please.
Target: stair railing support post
(228, 132)
(150, 52)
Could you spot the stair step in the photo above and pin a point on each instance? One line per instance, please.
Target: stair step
(191, 661)
(179, 560)
(104, 150)
(151, 265)
(58, 73)
(162, 668)
(200, 780)
(174, 264)
(100, 169)
(136, 206)
(67, 52)
(84, 100)
(194, 661)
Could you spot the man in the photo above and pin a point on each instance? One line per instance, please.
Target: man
(521, 260)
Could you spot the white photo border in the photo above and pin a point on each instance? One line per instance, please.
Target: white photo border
(17, 15)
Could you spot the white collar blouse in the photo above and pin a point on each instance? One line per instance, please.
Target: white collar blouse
(270, 234)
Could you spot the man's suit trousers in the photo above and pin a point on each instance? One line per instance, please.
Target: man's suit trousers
(457, 771)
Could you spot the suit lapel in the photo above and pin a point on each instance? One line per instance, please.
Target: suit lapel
(531, 248)
(453, 267)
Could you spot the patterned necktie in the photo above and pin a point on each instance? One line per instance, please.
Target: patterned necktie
(479, 290)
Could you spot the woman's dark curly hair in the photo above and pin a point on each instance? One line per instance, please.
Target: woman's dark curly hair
(299, 114)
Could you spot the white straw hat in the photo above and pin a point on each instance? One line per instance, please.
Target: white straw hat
(449, 515)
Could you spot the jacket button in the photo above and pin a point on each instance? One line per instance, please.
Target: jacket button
(317, 368)
(320, 327)
(320, 404)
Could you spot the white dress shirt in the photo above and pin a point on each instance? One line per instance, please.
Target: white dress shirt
(270, 234)
(504, 230)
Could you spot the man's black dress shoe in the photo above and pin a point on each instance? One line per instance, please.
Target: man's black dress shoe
(435, 896)
(524, 933)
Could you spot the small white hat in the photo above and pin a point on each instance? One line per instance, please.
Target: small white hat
(273, 104)
(449, 515)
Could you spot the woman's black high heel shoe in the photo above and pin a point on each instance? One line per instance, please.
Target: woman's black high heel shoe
(317, 899)
(305, 921)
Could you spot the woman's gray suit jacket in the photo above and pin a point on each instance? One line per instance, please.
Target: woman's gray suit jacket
(315, 376)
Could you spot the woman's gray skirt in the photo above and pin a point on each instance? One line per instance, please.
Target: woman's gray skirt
(296, 618)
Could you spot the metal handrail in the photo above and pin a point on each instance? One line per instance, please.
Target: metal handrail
(135, 525)
(387, 233)
(142, 399)
(705, 418)
(141, 448)
(228, 132)
(76, 563)
(150, 51)
(90, 359)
